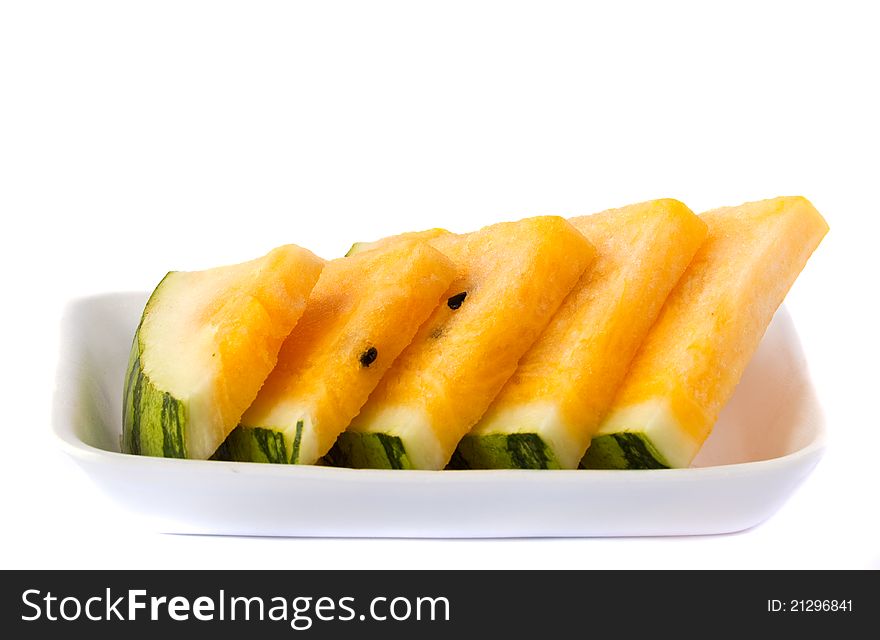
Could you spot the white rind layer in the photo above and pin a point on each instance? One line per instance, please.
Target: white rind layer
(415, 431)
(656, 421)
(542, 418)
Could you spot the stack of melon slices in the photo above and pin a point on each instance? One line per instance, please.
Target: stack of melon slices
(609, 341)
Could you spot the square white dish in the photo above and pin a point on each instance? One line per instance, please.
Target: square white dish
(768, 439)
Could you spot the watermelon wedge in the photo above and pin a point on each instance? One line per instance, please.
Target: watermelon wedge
(205, 344)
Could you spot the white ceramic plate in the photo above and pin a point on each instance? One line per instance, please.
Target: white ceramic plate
(767, 441)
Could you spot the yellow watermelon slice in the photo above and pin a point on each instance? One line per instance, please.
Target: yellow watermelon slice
(547, 412)
(511, 279)
(362, 313)
(712, 323)
(205, 344)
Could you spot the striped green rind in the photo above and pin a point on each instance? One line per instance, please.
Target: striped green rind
(153, 421)
(623, 450)
(503, 451)
(257, 444)
(368, 451)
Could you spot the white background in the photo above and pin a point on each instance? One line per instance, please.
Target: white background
(138, 138)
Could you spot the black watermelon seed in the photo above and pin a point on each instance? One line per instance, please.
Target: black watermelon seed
(369, 356)
(455, 301)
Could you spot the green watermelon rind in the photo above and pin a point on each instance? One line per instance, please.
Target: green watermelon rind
(623, 450)
(153, 421)
(504, 451)
(260, 444)
(373, 450)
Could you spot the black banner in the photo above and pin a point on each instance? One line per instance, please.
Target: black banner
(429, 604)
